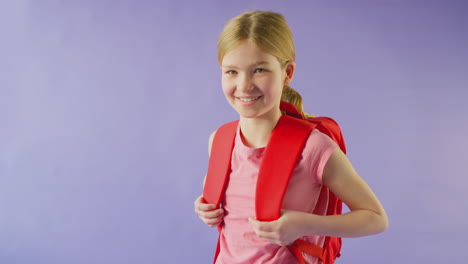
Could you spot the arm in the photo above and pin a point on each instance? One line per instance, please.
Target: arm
(366, 217)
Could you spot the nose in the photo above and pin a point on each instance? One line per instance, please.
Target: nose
(245, 83)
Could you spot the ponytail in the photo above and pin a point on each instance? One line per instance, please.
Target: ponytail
(292, 96)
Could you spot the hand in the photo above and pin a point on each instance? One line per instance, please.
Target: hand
(208, 212)
(283, 231)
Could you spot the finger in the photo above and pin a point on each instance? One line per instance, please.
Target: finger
(205, 207)
(266, 231)
(267, 236)
(215, 225)
(216, 222)
(198, 201)
(201, 201)
(256, 227)
(253, 222)
(211, 214)
(262, 226)
(212, 222)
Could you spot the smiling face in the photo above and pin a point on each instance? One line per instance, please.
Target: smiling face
(253, 81)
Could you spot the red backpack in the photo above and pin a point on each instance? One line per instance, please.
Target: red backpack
(288, 138)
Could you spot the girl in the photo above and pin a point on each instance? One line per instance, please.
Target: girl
(256, 53)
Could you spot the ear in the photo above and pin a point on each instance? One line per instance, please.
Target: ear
(289, 72)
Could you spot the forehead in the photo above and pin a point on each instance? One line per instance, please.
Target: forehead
(246, 54)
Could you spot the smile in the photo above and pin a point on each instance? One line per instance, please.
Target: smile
(248, 99)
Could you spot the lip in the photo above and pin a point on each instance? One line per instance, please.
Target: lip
(238, 98)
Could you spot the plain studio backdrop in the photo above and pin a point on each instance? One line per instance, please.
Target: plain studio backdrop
(106, 108)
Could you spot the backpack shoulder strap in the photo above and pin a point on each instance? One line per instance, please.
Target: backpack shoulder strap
(332, 245)
(279, 160)
(219, 166)
(324, 124)
(330, 127)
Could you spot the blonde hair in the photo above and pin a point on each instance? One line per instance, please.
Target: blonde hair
(270, 32)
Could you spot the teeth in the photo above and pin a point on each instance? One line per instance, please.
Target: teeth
(249, 99)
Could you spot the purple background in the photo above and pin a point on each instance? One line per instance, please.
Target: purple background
(106, 108)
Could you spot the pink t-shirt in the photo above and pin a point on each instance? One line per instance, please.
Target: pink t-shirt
(238, 242)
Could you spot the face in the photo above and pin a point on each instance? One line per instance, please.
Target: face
(253, 81)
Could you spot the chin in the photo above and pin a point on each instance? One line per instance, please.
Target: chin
(246, 115)
(251, 114)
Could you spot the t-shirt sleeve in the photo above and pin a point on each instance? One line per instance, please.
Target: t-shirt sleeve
(317, 151)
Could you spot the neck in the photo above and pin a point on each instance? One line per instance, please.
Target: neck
(256, 132)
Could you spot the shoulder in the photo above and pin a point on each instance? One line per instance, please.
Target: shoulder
(210, 141)
(319, 140)
(317, 150)
(227, 130)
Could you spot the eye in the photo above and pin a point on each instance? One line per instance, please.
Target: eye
(259, 70)
(231, 72)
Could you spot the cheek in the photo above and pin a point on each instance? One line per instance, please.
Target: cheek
(228, 86)
(273, 86)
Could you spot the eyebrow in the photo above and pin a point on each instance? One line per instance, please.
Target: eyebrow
(254, 64)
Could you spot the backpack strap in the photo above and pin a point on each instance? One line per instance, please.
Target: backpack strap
(219, 166)
(301, 246)
(279, 160)
(324, 124)
(291, 110)
(331, 245)
(330, 127)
